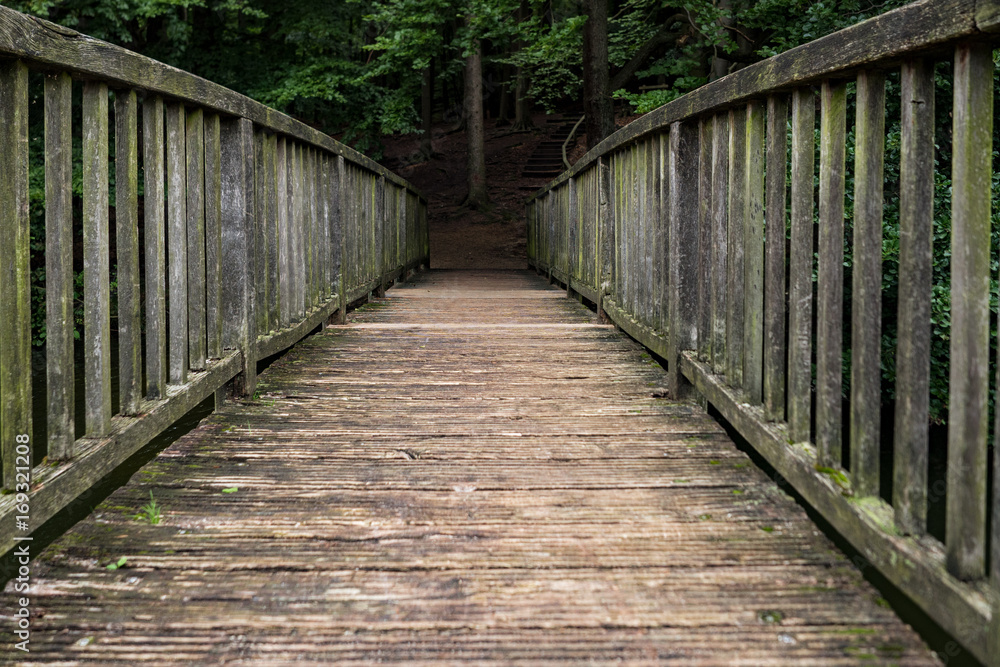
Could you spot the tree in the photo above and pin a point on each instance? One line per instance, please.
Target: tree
(477, 197)
(600, 117)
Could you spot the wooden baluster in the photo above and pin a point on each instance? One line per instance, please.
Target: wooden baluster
(326, 220)
(127, 244)
(237, 251)
(312, 282)
(271, 233)
(913, 346)
(213, 236)
(775, 303)
(381, 222)
(720, 239)
(15, 286)
(296, 197)
(260, 231)
(972, 146)
(685, 238)
(96, 262)
(800, 265)
(830, 279)
(194, 145)
(572, 233)
(154, 207)
(706, 255)
(866, 293)
(662, 238)
(753, 267)
(734, 246)
(59, 321)
(284, 235)
(177, 290)
(340, 237)
(606, 233)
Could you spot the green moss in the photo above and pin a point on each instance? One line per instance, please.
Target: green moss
(767, 529)
(837, 476)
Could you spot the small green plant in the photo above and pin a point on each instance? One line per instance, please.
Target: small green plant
(150, 511)
(231, 489)
(120, 563)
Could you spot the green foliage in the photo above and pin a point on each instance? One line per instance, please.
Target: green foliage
(118, 564)
(553, 58)
(150, 512)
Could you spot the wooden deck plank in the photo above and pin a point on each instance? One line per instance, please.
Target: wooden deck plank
(460, 474)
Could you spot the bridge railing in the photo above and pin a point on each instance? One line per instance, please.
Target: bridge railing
(255, 230)
(667, 227)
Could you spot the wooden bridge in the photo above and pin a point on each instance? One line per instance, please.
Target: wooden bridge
(469, 467)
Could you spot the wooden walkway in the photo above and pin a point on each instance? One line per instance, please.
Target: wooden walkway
(474, 469)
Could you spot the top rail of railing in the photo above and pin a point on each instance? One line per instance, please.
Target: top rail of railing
(46, 45)
(925, 27)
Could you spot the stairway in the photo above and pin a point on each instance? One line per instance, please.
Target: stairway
(547, 162)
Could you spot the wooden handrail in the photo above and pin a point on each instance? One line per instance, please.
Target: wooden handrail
(257, 229)
(666, 227)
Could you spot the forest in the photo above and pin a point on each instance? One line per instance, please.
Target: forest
(365, 70)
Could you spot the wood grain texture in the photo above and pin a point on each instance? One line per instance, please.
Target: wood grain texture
(194, 146)
(15, 287)
(775, 282)
(800, 265)
(866, 284)
(720, 238)
(705, 220)
(177, 243)
(753, 266)
(523, 495)
(735, 251)
(96, 262)
(968, 385)
(213, 237)
(127, 249)
(830, 274)
(59, 324)
(913, 340)
(154, 220)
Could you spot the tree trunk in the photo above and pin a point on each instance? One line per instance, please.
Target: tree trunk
(503, 114)
(600, 121)
(720, 65)
(522, 103)
(427, 111)
(477, 197)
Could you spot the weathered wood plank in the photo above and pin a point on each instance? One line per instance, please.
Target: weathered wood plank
(284, 234)
(968, 386)
(213, 236)
(913, 337)
(194, 145)
(339, 236)
(127, 249)
(524, 511)
(272, 234)
(59, 321)
(735, 288)
(720, 239)
(260, 230)
(830, 276)
(96, 262)
(15, 297)
(866, 291)
(686, 205)
(705, 221)
(606, 232)
(237, 252)
(775, 298)
(753, 267)
(177, 242)
(800, 265)
(154, 220)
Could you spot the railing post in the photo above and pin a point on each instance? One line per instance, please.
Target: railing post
(15, 297)
(96, 262)
(705, 220)
(59, 322)
(237, 253)
(683, 171)
(381, 221)
(606, 234)
(970, 314)
(339, 215)
(127, 243)
(572, 238)
(775, 303)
